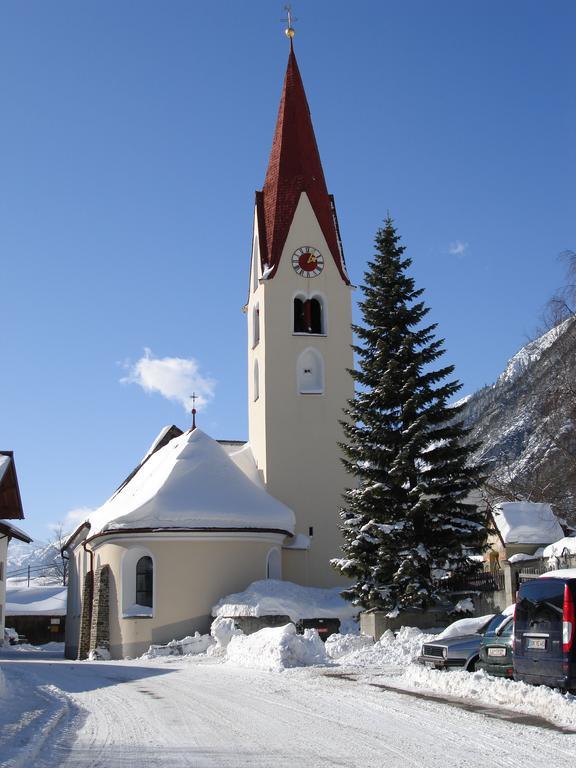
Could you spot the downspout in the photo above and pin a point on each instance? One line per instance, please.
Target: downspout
(91, 570)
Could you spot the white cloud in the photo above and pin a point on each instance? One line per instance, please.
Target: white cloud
(457, 248)
(76, 516)
(175, 378)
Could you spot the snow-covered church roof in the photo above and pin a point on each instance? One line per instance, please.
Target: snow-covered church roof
(192, 482)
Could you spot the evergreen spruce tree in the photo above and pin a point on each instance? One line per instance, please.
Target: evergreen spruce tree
(406, 523)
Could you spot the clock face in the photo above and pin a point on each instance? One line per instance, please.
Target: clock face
(307, 262)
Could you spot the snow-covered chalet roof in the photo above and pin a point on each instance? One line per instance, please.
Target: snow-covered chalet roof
(22, 600)
(193, 483)
(7, 529)
(527, 522)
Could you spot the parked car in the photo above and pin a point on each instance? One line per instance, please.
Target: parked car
(461, 650)
(544, 631)
(496, 649)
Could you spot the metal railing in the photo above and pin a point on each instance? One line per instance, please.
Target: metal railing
(484, 581)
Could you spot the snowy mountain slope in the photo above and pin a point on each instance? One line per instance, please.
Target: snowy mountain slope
(526, 422)
(43, 558)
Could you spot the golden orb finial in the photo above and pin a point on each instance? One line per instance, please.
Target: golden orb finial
(289, 31)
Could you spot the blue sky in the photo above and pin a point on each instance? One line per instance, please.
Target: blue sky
(133, 136)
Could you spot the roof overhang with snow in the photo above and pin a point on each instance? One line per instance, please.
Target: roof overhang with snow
(526, 522)
(6, 529)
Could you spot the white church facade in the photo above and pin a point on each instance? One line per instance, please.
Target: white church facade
(199, 519)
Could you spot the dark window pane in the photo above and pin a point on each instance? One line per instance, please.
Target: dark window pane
(144, 580)
(315, 316)
(299, 319)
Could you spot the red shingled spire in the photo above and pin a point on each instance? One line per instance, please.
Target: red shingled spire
(294, 167)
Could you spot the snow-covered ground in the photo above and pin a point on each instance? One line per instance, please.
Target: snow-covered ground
(360, 704)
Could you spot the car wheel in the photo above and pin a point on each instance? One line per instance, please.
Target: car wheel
(471, 665)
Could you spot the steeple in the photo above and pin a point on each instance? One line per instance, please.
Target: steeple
(294, 167)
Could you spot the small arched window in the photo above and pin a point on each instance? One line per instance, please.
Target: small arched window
(310, 372)
(308, 315)
(144, 581)
(255, 325)
(256, 382)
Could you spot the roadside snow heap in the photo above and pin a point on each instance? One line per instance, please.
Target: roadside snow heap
(271, 597)
(277, 648)
(188, 646)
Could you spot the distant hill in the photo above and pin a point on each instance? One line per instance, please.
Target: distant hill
(526, 423)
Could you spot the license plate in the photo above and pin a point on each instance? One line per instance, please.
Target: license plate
(496, 651)
(536, 643)
(431, 664)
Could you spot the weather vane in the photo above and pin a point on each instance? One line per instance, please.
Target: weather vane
(289, 31)
(194, 397)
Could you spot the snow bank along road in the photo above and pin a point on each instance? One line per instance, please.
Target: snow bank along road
(198, 712)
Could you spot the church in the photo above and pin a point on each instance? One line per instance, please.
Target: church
(199, 518)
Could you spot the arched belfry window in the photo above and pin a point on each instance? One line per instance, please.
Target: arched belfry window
(308, 315)
(310, 372)
(144, 581)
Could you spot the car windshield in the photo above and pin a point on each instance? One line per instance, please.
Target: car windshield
(491, 627)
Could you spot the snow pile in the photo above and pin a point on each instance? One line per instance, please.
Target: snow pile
(517, 558)
(99, 654)
(527, 522)
(562, 573)
(337, 646)
(277, 648)
(464, 606)
(465, 626)
(401, 649)
(494, 691)
(272, 597)
(222, 631)
(188, 646)
(567, 545)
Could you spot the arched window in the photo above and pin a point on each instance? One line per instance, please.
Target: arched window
(308, 315)
(274, 564)
(310, 372)
(144, 581)
(256, 382)
(255, 325)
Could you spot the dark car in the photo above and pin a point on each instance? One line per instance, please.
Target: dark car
(458, 650)
(496, 651)
(544, 647)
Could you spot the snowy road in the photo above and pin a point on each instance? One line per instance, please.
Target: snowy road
(192, 713)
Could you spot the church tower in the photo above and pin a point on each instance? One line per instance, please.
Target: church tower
(299, 340)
